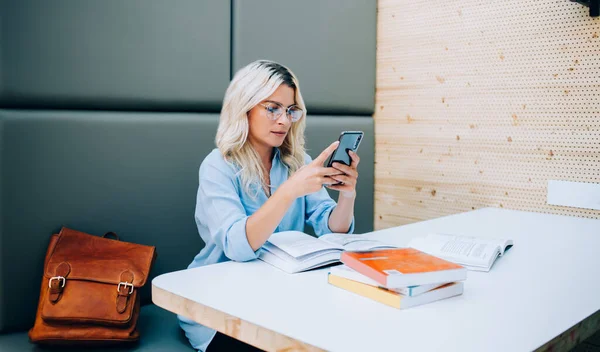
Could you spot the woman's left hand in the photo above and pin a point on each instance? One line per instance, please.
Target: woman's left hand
(347, 186)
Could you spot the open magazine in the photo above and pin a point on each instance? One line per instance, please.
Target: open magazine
(295, 251)
(474, 253)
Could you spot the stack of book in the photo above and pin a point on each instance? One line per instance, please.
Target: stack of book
(401, 277)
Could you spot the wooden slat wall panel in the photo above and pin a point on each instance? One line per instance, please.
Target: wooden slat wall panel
(480, 103)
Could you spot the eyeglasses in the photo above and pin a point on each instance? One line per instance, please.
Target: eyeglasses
(275, 110)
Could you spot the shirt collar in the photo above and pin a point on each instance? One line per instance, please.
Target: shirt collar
(276, 155)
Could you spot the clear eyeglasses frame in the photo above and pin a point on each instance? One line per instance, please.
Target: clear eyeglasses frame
(275, 110)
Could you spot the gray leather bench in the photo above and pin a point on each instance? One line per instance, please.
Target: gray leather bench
(131, 173)
(108, 108)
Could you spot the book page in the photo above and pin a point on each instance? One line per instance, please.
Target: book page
(353, 242)
(504, 245)
(461, 249)
(298, 244)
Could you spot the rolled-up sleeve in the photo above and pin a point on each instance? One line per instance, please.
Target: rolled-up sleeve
(220, 209)
(319, 206)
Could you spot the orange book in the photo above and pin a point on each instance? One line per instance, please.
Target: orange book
(402, 267)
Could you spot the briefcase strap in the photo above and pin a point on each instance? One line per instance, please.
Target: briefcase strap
(56, 284)
(124, 289)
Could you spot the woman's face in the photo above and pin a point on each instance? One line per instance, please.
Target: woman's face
(265, 133)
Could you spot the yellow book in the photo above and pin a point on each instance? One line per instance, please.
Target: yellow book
(395, 299)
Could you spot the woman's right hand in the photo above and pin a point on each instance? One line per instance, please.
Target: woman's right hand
(311, 177)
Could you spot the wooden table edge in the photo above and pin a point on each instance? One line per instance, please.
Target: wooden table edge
(237, 328)
(574, 335)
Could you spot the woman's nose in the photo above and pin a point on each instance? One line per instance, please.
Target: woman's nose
(283, 119)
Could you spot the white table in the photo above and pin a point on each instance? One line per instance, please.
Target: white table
(546, 284)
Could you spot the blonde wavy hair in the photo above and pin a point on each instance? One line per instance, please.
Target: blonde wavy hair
(250, 86)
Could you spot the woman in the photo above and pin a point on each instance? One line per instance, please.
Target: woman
(260, 180)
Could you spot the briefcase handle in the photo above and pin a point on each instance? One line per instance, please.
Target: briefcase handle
(110, 233)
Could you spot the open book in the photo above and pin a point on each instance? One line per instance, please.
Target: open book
(473, 253)
(295, 251)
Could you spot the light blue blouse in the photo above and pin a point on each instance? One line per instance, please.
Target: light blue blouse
(222, 208)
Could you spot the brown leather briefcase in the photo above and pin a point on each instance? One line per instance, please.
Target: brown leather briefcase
(90, 289)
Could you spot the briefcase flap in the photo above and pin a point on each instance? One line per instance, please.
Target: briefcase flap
(98, 259)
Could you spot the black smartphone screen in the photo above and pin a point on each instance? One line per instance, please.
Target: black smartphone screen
(349, 140)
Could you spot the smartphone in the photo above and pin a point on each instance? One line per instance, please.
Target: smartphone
(349, 140)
